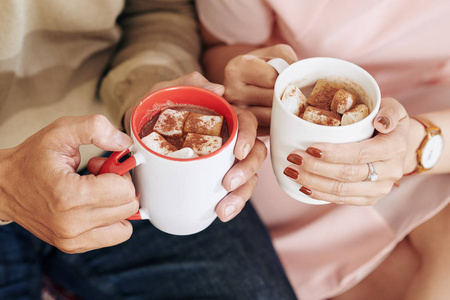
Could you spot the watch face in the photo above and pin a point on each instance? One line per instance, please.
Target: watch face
(432, 151)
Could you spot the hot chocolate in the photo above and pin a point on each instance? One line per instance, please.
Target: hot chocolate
(185, 131)
(325, 103)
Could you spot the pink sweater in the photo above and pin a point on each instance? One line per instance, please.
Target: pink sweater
(404, 44)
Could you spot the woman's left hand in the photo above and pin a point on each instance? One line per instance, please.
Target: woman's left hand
(338, 173)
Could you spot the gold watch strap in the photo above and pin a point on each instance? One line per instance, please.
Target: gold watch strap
(430, 129)
(429, 126)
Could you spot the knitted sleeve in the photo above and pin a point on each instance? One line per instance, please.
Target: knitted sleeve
(160, 42)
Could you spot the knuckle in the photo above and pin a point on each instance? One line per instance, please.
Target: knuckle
(339, 188)
(97, 122)
(340, 200)
(232, 95)
(230, 71)
(65, 229)
(254, 179)
(62, 202)
(397, 173)
(249, 114)
(348, 172)
(66, 245)
(362, 156)
(196, 76)
(386, 189)
(285, 50)
(262, 148)
(60, 122)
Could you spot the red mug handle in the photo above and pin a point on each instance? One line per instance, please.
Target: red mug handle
(113, 165)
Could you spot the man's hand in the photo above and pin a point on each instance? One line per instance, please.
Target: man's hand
(41, 191)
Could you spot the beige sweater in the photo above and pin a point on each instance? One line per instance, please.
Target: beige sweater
(61, 58)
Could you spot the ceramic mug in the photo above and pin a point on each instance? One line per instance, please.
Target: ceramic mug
(288, 132)
(178, 196)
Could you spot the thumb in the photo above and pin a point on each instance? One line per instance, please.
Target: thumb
(96, 130)
(391, 112)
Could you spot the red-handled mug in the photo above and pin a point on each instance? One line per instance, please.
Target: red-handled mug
(177, 195)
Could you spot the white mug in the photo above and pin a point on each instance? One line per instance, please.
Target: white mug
(178, 196)
(288, 132)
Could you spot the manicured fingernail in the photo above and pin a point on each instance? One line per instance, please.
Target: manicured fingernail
(292, 173)
(122, 139)
(305, 191)
(235, 182)
(229, 211)
(384, 121)
(295, 159)
(314, 152)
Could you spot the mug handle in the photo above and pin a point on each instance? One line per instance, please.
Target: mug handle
(278, 64)
(113, 165)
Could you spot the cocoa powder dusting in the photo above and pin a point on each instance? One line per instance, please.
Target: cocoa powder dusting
(172, 121)
(195, 141)
(323, 94)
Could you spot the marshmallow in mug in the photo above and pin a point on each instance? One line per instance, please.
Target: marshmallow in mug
(329, 104)
(202, 134)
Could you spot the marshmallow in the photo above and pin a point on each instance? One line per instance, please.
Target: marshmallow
(321, 116)
(343, 101)
(294, 100)
(202, 144)
(203, 124)
(355, 114)
(170, 122)
(158, 144)
(323, 93)
(184, 153)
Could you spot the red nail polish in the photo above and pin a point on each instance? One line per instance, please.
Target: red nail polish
(292, 173)
(314, 152)
(295, 159)
(305, 191)
(384, 121)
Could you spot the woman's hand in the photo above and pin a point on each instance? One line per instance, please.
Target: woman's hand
(249, 81)
(337, 172)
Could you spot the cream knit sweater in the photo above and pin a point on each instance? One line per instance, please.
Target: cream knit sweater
(61, 58)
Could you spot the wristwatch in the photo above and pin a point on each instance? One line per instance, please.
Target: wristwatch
(430, 148)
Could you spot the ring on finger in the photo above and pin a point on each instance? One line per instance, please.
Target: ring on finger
(373, 175)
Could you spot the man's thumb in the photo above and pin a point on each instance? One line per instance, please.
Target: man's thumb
(97, 130)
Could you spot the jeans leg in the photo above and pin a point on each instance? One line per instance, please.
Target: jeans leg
(20, 263)
(233, 260)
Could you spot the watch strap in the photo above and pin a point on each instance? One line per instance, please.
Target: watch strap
(431, 129)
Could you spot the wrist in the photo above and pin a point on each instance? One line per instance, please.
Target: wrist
(416, 135)
(430, 148)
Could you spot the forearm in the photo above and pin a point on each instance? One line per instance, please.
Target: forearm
(416, 135)
(160, 42)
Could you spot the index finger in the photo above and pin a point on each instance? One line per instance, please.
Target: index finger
(379, 148)
(388, 142)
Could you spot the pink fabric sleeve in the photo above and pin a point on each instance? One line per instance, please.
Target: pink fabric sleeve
(238, 21)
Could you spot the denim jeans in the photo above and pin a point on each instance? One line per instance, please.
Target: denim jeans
(233, 260)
